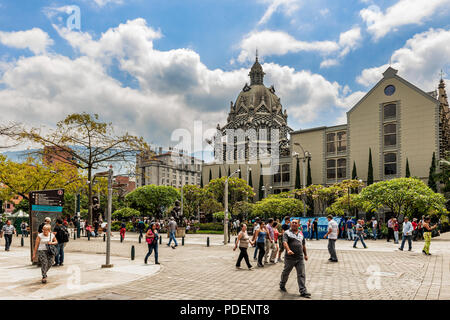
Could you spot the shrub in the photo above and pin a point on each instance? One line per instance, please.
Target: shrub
(125, 213)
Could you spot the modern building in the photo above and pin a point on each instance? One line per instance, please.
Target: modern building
(396, 120)
(171, 168)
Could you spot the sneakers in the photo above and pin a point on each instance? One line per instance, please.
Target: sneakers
(272, 261)
(250, 268)
(238, 267)
(260, 265)
(400, 249)
(157, 263)
(305, 295)
(283, 289)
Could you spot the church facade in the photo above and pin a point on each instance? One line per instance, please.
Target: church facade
(395, 120)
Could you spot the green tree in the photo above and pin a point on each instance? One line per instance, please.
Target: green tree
(432, 175)
(297, 175)
(193, 195)
(243, 209)
(407, 196)
(93, 144)
(23, 205)
(444, 175)
(309, 176)
(201, 180)
(238, 189)
(348, 204)
(370, 169)
(278, 208)
(210, 205)
(152, 200)
(125, 213)
(261, 184)
(408, 173)
(354, 173)
(210, 175)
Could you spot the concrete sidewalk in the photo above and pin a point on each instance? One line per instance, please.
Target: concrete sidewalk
(81, 273)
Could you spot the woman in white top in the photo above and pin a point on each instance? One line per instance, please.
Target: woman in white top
(243, 240)
(46, 260)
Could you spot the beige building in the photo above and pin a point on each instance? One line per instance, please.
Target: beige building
(168, 169)
(395, 120)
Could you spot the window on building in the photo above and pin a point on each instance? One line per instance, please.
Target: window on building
(341, 168)
(390, 134)
(390, 164)
(285, 173)
(331, 169)
(390, 111)
(336, 168)
(341, 138)
(277, 176)
(331, 146)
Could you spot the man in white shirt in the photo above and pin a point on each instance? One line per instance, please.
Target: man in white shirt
(374, 228)
(407, 234)
(332, 234)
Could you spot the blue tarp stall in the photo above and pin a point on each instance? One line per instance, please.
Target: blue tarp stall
(322, 224)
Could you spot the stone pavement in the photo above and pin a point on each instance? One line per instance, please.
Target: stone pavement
(195, 271)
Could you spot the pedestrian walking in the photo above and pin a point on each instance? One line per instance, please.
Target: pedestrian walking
(82, 226)
(427, 235)
(151, 237)
(374, 228)
(260, 236)
(332, 234)
(295, 247)
(8, 230)
(309, 228)
(315, 230)
(415, 230)
(47, 221)
(172, 232)
(421, 229)
(123, 230)
(243, 240)
(359, 234)
(390, 225)
(396, 228)
(23, 228)
(96, 226)
(269, 243)
(407, 234)
(44, 254)
(256, 226)
(286, 226)
(276, 235)
(62, 236)
(349, 225)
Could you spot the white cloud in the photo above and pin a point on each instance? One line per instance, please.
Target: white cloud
(403, 12)
(324, 12)
(419, 60)
(34, 39)
(279, 43)
(351, 38)
(287, 7)
(174, 87)
(102, 3)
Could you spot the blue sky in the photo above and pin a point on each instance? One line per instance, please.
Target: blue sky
(154, 66)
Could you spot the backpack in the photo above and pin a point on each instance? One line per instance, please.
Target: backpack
(64, 234)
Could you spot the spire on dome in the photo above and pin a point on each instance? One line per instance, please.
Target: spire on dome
(256, 73)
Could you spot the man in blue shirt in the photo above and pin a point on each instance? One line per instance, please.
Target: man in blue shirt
(350, 224)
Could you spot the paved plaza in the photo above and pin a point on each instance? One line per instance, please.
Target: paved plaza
(195, 271)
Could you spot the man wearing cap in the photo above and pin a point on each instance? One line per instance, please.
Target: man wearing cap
(172, 229)
(295, 247)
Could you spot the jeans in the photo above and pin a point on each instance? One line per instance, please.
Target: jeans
(261, 253)
(255, 254)
(409, 242)
(8, 240)
(299, 265)
(315, 232)
(332, 249)
(59, 257)
(172, 237)
(374, 233)
(151, 247)
(395, 236)
(359, 237)
(243, 255)
(350, 234)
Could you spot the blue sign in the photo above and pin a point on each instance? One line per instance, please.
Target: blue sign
(322, 224)
(35, 207)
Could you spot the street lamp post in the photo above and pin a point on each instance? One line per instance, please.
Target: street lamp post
(225, 220)
(306, 156)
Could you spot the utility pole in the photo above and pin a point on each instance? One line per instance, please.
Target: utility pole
(225, 220)
(109, 173)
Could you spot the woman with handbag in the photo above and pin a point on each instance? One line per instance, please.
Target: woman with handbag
(152, 241)
(46, 250)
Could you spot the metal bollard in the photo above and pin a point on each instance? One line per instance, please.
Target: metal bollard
(207, 242)
(74, 236)
(132, 252)
(182, 241)
(229, 239)
(160, 240)
(104, 237)
(21, 241)
(140, 238)
(89, 236)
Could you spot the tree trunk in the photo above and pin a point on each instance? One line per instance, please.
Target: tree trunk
(90, 196)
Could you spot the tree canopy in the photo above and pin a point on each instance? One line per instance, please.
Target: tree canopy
(152, 200)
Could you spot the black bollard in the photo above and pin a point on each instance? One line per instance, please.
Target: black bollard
(21, 242)
(74, 236)
(182, 241)
(89, 236)
(121, 238)
(160, 240)
(104, 237)
(132, 252)
(140, 238)
(229, 239)
(207, 242)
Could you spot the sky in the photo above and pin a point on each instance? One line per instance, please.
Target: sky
(156, 67)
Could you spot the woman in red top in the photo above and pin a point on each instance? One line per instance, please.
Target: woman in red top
(276, 234)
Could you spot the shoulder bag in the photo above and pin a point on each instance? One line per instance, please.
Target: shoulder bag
(51, 248)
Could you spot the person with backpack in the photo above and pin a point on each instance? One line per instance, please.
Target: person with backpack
(151, 237)
(62, 236)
